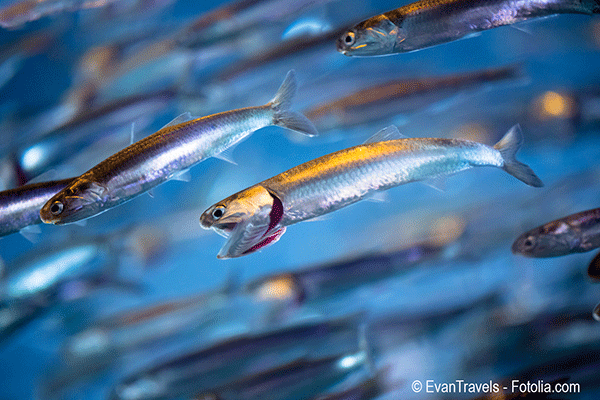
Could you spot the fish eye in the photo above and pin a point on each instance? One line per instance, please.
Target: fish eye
(528, 242)
(349, 38)
(56, 208)
(218, 212)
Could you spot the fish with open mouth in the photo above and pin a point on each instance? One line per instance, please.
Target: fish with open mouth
(258, 216)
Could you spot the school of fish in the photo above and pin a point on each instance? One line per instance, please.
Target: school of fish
(473, 280)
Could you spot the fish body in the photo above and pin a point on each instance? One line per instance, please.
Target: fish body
(293, 381)
(428, 23)
(322, 282)
(40, 274)
(259, 215)
(166, 153)
(237, 18)
(20, 207)
(399, 96)
(88, 128)
(225, 362)
(576, 233)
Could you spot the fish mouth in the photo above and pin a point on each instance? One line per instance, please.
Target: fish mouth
(224, 229)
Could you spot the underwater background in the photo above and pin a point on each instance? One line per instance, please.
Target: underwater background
(454, 301)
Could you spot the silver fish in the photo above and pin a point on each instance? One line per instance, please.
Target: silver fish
(167, 153)
(293, 381)
(322, 282)
(428, 23)
(40, 274)
(206, 369)
(576, 233)
(259, 215)
(401, 97)
(20, 207)
(89, 127)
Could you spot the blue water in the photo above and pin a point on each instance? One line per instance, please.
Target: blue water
(558, 54)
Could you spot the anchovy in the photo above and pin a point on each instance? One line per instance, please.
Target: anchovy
(428, 23)
(235, 19)
(40, 273)
(24, 11)
(167, 153)
(293, 381)
(20, 207)
(399, 96)
(576, 233)
(291, 47)
(225, 362)
(324, 281)
(259, 215)
(87, 128)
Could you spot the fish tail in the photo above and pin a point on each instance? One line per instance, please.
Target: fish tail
(281, 104)
(508, 147)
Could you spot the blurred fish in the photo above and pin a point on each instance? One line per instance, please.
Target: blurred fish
(168, 153)
(259, 215)
(15, 315)
(404, 96)
(297, 380)
(596, 312)
(44, 274)
(114, 338)
(208, 369)
(427, 23)
(291, 47)
(140, 327)
(236, 18)
(576, 233)
(90, 127)
(20, 207)
(324, 281)
(23, 11)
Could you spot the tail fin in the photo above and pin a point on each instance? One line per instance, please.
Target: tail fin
(508, 147)
(281, 103)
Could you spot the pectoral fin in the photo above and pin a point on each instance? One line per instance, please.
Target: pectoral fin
(243, 237)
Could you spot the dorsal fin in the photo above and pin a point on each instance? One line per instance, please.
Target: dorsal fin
(387, 133)
(185, 117)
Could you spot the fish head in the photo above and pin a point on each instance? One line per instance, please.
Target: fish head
(79, 200)
(373, 37)
(551, 240)
(250, 219)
